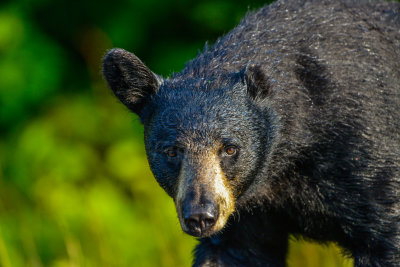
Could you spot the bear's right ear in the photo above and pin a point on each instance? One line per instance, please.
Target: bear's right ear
(258, 84)
(130, 80)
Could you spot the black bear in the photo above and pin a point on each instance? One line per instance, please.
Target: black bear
(289, 124)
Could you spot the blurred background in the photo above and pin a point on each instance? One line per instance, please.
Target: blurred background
(75, 186)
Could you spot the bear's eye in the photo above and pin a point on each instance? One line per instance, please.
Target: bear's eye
(231, 150)
(172, 152)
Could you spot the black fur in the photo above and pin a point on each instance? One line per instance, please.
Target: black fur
(131, 81)
(310, 93)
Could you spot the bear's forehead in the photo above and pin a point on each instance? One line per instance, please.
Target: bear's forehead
(188, 118)
(207, 125)
(196, 115)
(202, 90)
(188, 100)
(198, 112)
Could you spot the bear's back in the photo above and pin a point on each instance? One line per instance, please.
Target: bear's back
(285, 28)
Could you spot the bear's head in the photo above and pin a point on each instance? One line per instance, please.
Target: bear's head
(206, 137)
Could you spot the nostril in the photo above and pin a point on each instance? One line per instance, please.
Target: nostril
(206, 224)
(209, 222)
(200, 222)
(192, 223)
(200, 219)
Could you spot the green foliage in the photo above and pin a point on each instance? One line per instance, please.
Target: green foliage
(75, 186)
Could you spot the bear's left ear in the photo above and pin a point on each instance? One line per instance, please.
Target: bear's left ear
(129, 78)
(257, 82)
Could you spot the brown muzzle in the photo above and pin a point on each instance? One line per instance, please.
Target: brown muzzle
(203, 201)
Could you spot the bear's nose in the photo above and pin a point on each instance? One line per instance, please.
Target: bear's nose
(199, 220)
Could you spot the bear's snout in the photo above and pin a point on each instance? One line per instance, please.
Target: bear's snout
(200, 219)
(204, 200)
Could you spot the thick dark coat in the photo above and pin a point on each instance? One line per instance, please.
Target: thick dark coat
(310, 91)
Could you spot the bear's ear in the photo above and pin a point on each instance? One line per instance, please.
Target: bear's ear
(257, 82)
(130, 80)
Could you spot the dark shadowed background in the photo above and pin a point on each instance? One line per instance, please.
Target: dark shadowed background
(75, 186)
